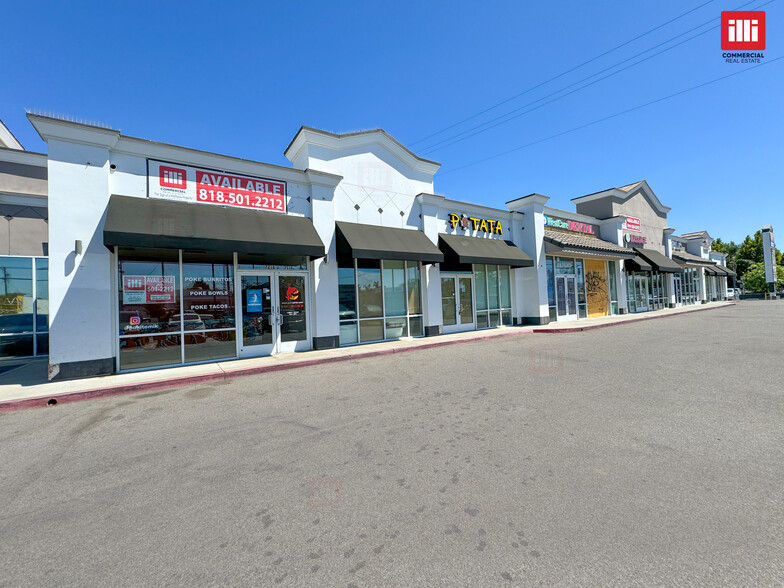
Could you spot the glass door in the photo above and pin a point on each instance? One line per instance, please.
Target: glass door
(457, 303)
(258, 317)
(566, 297)
(273, 313)
(292, 313)
(466, 301)
(641, 290)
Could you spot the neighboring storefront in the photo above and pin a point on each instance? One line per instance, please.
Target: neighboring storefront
(582, 269)
(24, 244)
(651, 277)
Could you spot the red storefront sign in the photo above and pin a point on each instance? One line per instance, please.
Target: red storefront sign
(183, 183)
(632, 224)
(148, 289)
(215, 188)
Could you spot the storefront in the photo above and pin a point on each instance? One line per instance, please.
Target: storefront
(211, 283)
(24, 246)
(175, 256)
(380, 282)
(24, 306)
(647, 280)
(476, 283)
(582, 270)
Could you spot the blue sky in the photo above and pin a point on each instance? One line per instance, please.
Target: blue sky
(241, 77)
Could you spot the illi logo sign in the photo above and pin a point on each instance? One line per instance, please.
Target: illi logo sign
(743, 31)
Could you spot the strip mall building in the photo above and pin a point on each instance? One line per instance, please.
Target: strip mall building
(161, 255)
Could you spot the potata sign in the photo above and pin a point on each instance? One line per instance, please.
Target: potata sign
(479, 224)
(182, 183)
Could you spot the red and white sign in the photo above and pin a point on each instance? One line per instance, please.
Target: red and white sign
(632, 224)
(169, 181)
(148, 289)
(742, 30)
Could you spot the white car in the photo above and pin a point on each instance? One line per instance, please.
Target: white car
(730, 293)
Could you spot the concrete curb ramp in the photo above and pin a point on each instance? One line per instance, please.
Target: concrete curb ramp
(350, 353)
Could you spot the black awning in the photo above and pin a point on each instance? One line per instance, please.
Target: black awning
(462, 249)
(709, 269)
(659, 261)
(637, 264)
(373, 242)
(723, 271)
(150, 222)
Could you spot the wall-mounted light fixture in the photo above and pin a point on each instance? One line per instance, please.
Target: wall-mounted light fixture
(78, 247)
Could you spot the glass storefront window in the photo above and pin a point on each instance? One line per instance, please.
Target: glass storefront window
(348, 333)
(209, 346)
(347, 294)
(369, 287)
(208, 294)
(582, 306)
(480, 285)
(492, 287)
(416, 326)
(414, 289)
(16, 296)
(42, 297)
(448, 302)
(150, 351)
(613, 290)
(387, 290)
(24, 306)
(372, 330)
(551, 288)
(506, 294)
(149, 294)
(394, 289)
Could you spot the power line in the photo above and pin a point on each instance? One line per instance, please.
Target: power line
(617, 114)
(461, 136)
(473, 116)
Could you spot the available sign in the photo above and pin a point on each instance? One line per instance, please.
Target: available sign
(632, 224)
(190, 184)
(148, 289)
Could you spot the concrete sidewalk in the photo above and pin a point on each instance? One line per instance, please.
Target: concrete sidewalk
(25, 384)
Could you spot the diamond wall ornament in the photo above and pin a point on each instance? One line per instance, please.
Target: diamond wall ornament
(380, 211)
(356, 207)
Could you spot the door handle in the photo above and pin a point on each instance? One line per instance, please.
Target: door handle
(280, 319)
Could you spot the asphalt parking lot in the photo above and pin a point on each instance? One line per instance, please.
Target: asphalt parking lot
(647, 454)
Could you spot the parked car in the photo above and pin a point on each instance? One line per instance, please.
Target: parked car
(730, 293)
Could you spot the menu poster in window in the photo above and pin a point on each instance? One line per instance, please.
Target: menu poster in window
(148, 289)
(183, 183)
(255, 301)
(291, 296)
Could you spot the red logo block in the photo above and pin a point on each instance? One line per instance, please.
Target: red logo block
(743, 30)
(172, 177)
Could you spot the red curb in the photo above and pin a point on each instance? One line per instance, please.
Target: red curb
(63, 397)
(626, 322)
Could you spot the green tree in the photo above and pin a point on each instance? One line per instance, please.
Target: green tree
(749, 253)
(754, 278)
(731, 249)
